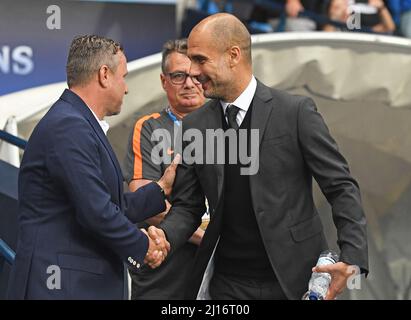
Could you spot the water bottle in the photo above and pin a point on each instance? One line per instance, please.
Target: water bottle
(320, 281)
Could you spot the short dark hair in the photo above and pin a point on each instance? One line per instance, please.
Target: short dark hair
(87, 54)
(179, 46)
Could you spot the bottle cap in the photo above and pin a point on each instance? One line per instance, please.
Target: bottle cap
(314, 296)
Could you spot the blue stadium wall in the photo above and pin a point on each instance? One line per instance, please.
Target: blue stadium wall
(31, 54)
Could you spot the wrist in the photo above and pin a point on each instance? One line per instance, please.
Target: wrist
(161, 186)
(382, 8)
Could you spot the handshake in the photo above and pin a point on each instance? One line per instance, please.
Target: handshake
(158, 247)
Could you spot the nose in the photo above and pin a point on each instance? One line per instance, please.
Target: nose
(189, 81)
(126, 90)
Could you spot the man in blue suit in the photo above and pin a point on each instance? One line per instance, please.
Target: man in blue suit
(76, 225)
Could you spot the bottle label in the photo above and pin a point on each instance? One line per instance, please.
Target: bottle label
(325, 260)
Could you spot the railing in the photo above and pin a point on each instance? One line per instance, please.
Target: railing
(16, 141)
(6, 252)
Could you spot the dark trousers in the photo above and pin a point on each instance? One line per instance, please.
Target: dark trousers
(230, 287)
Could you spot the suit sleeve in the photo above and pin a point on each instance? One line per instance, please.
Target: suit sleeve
(330, 169)
(144, 203)
(74, 162)
(188, 204)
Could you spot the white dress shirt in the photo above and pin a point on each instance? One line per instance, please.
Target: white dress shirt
(243, 101)
(103, 124)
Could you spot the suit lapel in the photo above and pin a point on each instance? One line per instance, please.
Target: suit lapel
(80, 106)
(104, 140)
(261, 109)
(260, 114)
(215, 122)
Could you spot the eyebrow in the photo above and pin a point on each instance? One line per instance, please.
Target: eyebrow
(177, 71)
(197, 57)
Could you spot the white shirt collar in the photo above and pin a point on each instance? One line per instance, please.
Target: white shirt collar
(103, 124)
(244, 100)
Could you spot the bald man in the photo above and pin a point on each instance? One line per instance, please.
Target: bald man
(265, 234)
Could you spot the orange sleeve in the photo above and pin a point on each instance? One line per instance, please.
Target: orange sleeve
(138, 159)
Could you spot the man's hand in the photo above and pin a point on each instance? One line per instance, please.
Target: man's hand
(293, 8)
(379, 4)
(167, 180)
(158, 247)
(340, 272)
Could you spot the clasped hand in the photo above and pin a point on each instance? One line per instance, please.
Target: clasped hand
(158, 247)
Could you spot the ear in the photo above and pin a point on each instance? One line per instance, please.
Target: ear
(163, 80)
(235, 55)
(103, 75)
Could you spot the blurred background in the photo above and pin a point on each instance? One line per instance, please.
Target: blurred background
(352, 57)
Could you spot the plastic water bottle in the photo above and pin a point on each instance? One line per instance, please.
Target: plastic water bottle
(320, 281)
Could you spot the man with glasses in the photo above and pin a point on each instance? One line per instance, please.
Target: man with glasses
(184, 95)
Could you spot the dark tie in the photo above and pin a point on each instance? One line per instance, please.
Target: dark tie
(231, 114)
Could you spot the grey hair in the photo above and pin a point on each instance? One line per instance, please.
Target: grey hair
(86, 56)
(179, 46)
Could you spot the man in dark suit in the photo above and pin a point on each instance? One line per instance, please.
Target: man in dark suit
(76, 225)
(265, 234)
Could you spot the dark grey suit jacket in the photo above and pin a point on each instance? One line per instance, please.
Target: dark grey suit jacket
(295, 146)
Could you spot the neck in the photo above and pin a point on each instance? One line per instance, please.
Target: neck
(239, 87)
(180, 115)
(91, 99)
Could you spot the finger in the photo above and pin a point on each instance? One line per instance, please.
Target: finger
(156, 240)
(155, 254)
(168, 246)
(325, 268)
(176, 160)
(155, 231)
(165, 246)
(165, 252)
(156, 263)
(152, 231)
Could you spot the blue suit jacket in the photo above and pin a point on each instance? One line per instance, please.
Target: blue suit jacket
(73, 213)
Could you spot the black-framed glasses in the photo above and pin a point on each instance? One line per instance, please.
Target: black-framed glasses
(181, 77)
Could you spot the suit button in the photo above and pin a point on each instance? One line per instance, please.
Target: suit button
(129, 259)
(138, 265)
(134, 263)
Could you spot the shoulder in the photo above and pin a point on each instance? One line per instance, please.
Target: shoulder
(149, 121)
(61, 118)
(288, 103)
(287, 99)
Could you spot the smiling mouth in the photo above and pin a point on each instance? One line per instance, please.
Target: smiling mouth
(189, 95)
